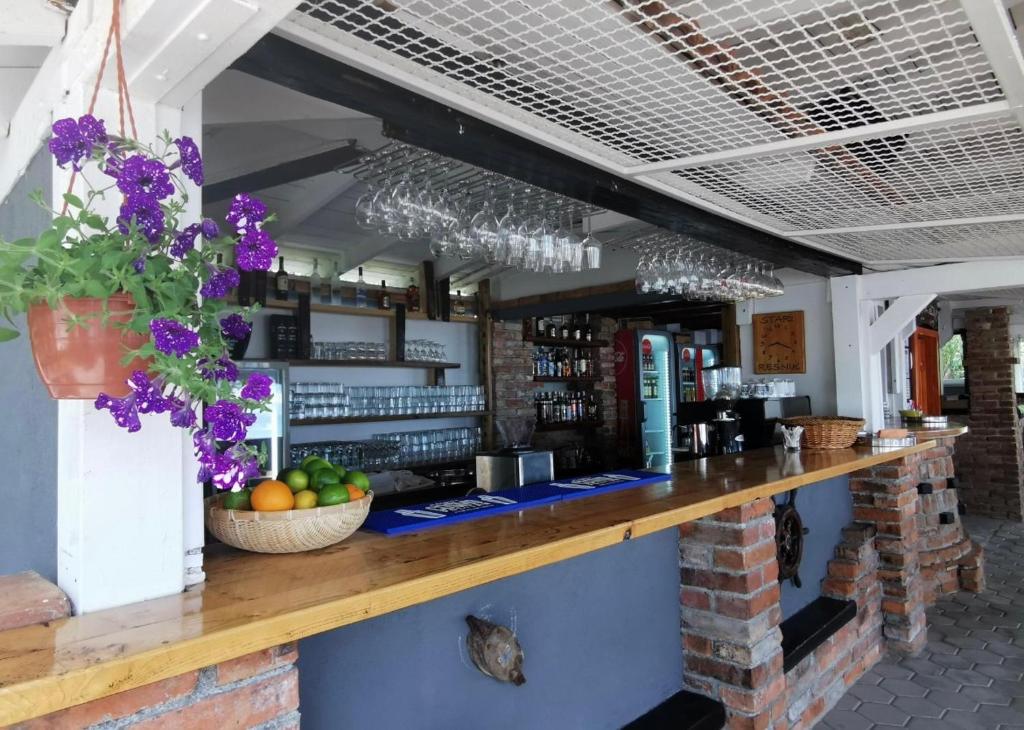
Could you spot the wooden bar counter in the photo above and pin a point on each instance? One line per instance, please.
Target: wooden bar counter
(251, 602)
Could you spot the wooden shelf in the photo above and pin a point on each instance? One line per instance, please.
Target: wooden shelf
(571, 379)
(421, 364)
(559, 342)
(567, 426)
(252, 602)
(363, 311)
(374, 419)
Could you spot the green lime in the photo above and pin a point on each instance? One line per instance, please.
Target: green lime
(296, 479)
(322, 478)
(359, 479)
(332, 494)
(341, 472)
(237, 500)
(308, 460)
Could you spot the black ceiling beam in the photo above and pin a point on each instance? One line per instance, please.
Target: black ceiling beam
(423, 122)
(286, 172)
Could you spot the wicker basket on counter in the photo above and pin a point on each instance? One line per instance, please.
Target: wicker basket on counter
(288, 531)
(827, 432)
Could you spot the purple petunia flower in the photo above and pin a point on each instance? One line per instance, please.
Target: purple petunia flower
(183, 415)
(74, 141)
(141, 175)
(146, 397)
(172, 337)
(191, 160)
(246, 213)
(233, 469)
(227, 421)
(223, 368)
(256, 251)
(206, 452)
(148, 215)
(139, 264)
(234, 327)
(220, 283)
(257, 387)
(210, 229)
(185, 241)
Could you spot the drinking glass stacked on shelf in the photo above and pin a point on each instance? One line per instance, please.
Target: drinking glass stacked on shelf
(774, 388)
(678, 264)
(435, 445)
(425, 351)
(366, 455)
(311, 401)
(350, 351)
(471, 213)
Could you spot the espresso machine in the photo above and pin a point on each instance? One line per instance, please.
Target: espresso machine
(717, 432)
(515, 464)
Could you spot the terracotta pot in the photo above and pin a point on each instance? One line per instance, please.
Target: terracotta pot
(86, 361)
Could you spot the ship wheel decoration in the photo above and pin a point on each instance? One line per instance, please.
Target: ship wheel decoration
(789, 539)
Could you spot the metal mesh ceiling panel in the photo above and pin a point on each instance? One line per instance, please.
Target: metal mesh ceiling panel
(713, 101)
(931, 244)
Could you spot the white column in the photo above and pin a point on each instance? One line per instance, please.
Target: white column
(128, 505)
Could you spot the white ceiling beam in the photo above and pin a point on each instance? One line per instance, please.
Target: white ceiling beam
(1008, 218)
(995, 33)
(900, 313)
(945, 279)
(30, 23)
(991, 110)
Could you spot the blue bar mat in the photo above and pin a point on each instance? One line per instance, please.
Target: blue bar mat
(458, 509)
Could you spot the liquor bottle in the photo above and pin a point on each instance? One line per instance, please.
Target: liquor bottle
(567, 364)
(314, 281)
(582, 366)
(281, 283)
(383, 299)
(577, 331)
(588, 334)
(552, 329)
(460, 306)
(326, 295)
(564, 332)
(538, 327)
(336, 285)
(412, 296)
(538, 403)
(592, 408)
(361, 290)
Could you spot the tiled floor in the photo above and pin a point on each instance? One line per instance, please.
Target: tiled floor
(970, 673)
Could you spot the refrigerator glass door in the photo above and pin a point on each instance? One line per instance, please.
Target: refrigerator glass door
(270, 432)
(656, 357)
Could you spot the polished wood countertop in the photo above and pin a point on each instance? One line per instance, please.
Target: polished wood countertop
(924, 430)
(251, 602)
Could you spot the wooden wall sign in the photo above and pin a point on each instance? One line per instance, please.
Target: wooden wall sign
(779, 343)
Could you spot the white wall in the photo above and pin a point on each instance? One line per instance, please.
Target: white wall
(459, 339)
(810, 295)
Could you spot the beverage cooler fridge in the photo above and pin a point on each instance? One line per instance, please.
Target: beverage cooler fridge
(269, 434)
(691, 361)
(645, 384)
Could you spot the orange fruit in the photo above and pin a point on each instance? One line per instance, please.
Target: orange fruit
(354, 492)
(272, 496)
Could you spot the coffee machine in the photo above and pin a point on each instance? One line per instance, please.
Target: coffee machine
(517, 462)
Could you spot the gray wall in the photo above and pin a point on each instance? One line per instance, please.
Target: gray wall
(600, 634)
(826, 508)
(28, 418)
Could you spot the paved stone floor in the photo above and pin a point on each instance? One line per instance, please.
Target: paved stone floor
(970, 673)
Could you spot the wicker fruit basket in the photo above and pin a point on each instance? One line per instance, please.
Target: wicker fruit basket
(827, 432)
(288, 531)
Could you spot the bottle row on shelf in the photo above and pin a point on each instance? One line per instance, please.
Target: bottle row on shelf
(650, 389)
(564, 327)
(567, 406)
(563, 362)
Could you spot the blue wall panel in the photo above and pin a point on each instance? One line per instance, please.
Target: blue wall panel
(826, 508)
(600, 635)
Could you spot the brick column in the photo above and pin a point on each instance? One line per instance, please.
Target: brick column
(730, 614)
(885, 496)
(991, 461)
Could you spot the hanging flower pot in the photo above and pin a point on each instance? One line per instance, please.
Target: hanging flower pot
(83, 360)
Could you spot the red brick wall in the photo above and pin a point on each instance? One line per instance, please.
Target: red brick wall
(247, 692)
(514, 388)
(990, 455)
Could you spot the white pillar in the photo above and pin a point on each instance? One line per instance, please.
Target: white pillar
(129, 516)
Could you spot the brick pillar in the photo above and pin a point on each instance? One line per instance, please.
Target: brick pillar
(886, 497)
(730, 614)
(991, 461)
